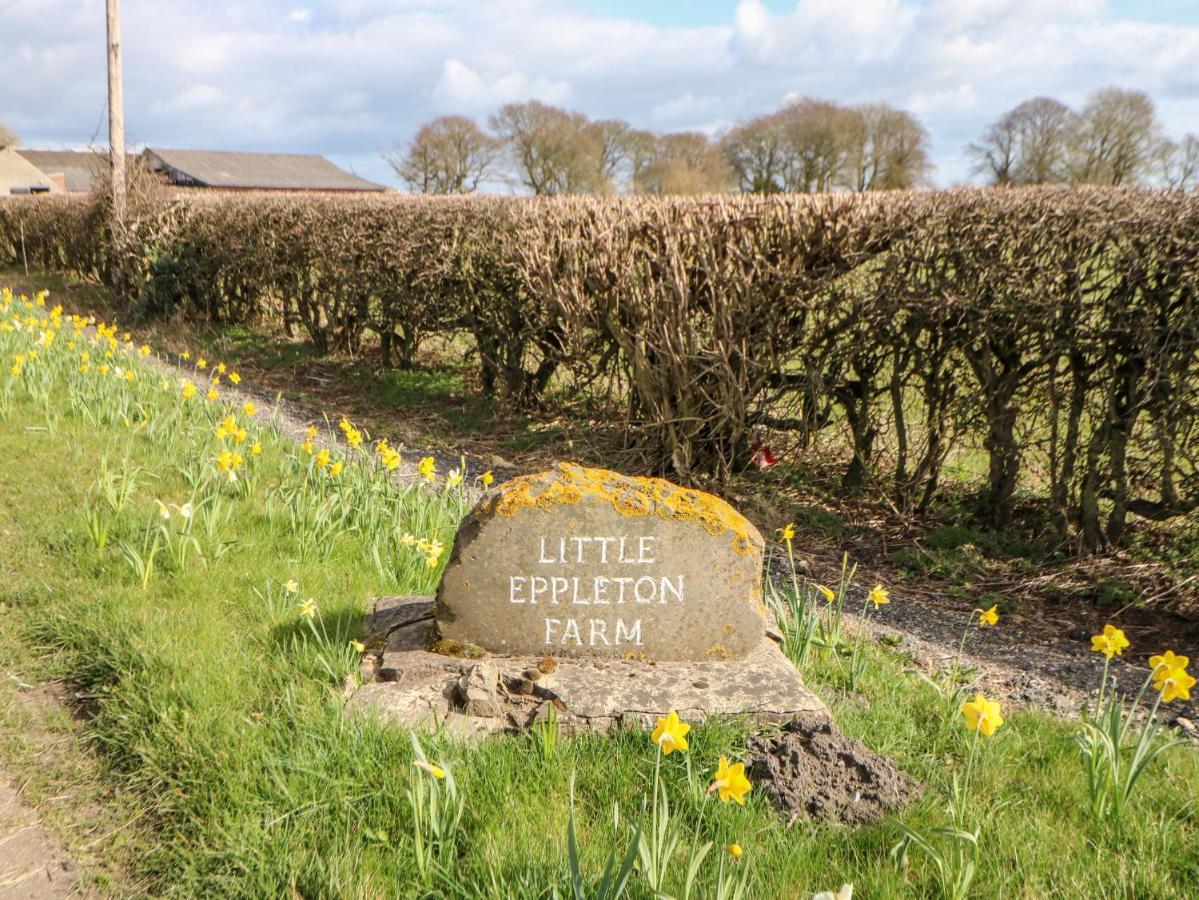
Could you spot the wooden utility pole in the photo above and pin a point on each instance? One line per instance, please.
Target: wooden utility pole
(116, 122)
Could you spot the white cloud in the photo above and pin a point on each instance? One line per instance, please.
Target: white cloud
(463, 90)
(197, 97)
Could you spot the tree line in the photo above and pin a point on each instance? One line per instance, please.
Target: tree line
(807, 146)
(1116, 139)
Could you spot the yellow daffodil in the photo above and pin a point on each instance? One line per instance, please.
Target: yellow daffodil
(249, 408)
(221, 368)
(311, 432)
(982, 715)
(390, 459)
(670, 734)
(235, 378)
(730, 782)
(878, 596)
(1174, 684)
(827, 593)
(336, 468)
(436, 771)
(321, 459)
(487, 478)
(1110, 643)
(308, 608)
(427, 468)
(186, 355)
(201, 363)
(353, 435)
(788, 532)
(240, 436)
(291, 586)
(213, 394)
(143, 351)
(988, 616)
(306, 447)
(358, 646)
(1168, 660)
(216, 380)
(734, 850)
(255, 448)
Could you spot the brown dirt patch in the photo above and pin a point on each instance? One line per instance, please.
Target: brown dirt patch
(809, 769)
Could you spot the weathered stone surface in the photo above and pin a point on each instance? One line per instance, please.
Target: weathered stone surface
(473, 697)
(477, 690)
(587, 562)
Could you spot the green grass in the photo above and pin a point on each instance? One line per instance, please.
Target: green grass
(216, 712)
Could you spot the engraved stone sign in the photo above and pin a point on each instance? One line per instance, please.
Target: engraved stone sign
(579, 561)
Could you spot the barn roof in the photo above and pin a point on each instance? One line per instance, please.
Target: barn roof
(80, 168)
(261, 171)
(19, 174)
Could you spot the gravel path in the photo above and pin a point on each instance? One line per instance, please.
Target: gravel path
(1047, 665)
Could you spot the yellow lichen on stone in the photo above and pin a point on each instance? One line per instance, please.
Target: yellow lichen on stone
(568, 484)
(447, 647)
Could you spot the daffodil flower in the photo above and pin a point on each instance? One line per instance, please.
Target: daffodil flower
(878, 596)
(988, 616)
(436, 771)
(730, 782)
(982, 715)
(1110, 643)
(670, 734)
(427, 468)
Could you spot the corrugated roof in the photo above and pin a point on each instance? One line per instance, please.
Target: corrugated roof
(262, 171)
(20, 174)
(81, 168)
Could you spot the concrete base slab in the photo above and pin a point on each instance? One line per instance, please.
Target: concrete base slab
(473, 693)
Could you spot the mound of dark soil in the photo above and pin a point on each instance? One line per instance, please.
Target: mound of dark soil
(810, 769)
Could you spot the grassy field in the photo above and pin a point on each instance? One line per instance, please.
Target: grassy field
(213, 694)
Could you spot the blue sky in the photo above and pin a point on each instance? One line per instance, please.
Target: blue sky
(353, 78)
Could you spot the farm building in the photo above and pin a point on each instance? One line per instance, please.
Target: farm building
(76, 171)
(226, 170)
(19, 176)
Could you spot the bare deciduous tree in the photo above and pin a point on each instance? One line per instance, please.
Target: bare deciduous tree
(641, 148)
(817, 136)
(756, 153)
(686, 163)
(614, 136)
(8, 137)
(450, 155)
(1179, 162)
(887, 150)
(1026, 145)
(554, 151)
(1115, 139)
